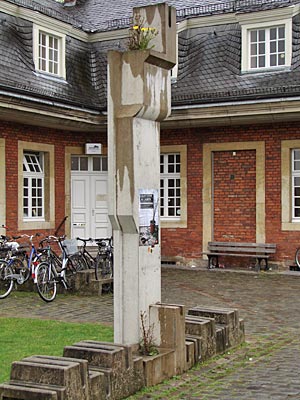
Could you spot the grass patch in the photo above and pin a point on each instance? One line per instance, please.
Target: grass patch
(23, 337)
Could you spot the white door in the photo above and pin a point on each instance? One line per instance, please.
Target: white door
(99, 219)
(80, 210)
(89, 208)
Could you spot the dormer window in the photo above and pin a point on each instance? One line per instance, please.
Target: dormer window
(266, 40)
(49, 52)
(267, 47)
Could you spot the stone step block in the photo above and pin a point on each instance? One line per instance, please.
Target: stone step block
(171, 332)
(159, 367)
(123, 372)
(197, 346)
(205, 328)
(97, 385)
(25, 386)
(101, 354)
(23, 392)
(67, 376)
(223, 316)
(222, 338)
(87, 285)
(190, 353)
(107, 379)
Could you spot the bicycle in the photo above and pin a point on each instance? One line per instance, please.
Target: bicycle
(88, 260)
(17, 266)
(105, 262)
(49, 273)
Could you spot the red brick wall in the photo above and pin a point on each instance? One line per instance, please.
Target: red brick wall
(12, 133)
(234, 190)
(185, 242)
(188, 242)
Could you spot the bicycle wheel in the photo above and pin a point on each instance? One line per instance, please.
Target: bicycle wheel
(78, 262)
(107, 273)
(107, 268)
(98, 266)
(297, 257)
(45, 282)
(6, 280)
(21, 270)
(70, 272)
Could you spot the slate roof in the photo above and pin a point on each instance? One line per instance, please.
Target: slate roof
(210, 64)
(103, 15)
(209, 58)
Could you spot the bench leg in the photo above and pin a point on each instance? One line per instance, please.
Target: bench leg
(210, 262)
(259, 259)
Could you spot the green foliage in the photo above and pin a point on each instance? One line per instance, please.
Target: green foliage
(147, 346)
(140, 36)
(22, 337)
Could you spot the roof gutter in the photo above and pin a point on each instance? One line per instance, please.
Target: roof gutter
(48, 102)
(236, 103)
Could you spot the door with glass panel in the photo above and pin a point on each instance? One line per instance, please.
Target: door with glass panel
(89, 202)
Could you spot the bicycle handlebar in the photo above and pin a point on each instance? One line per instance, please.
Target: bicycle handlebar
(84, 240)
(27, 236)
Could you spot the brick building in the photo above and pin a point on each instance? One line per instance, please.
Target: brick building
(230, 151)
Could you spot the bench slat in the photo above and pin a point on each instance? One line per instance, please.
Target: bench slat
(257, 250)
(243, 244)
(238, 255)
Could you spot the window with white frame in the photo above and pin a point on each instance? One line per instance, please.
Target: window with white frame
(170, 186)
(49, 52)
(33, 185)
(266, 46)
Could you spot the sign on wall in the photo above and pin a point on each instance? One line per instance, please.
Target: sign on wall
(148, 217)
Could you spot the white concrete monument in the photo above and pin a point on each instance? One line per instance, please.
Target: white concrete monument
(139, 97)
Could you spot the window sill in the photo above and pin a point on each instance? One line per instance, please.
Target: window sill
(35, 224)
(54, 78)
(290, 226)
(170, 224)
(256, 71)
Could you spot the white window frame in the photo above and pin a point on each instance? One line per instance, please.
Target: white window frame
(61, 69)
(103, 163)
(295, 174)
(246, 32)
(166, 177)
(31, 176)
(266, 43)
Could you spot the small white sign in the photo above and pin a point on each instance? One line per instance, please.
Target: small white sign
(93, 148)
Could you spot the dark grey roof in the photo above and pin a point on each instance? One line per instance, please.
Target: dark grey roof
(210, 68)
(103, 15)
(209, 58)
(85, 67)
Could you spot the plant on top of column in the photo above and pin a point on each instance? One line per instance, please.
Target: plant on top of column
(140, 36)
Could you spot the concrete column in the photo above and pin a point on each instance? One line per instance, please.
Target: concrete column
(139, 97)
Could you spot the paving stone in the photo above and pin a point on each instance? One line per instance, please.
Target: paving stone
(267, 367)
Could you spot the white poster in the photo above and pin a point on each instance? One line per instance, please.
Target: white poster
(148, 217)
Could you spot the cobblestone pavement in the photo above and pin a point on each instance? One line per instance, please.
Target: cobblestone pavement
(266, 367)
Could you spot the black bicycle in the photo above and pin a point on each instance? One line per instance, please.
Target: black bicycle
(104, 265)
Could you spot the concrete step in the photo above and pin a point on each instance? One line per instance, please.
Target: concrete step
(24, 392)
(87, 285)
(68, 377)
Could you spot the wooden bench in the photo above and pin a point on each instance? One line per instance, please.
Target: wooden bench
(260, 251)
